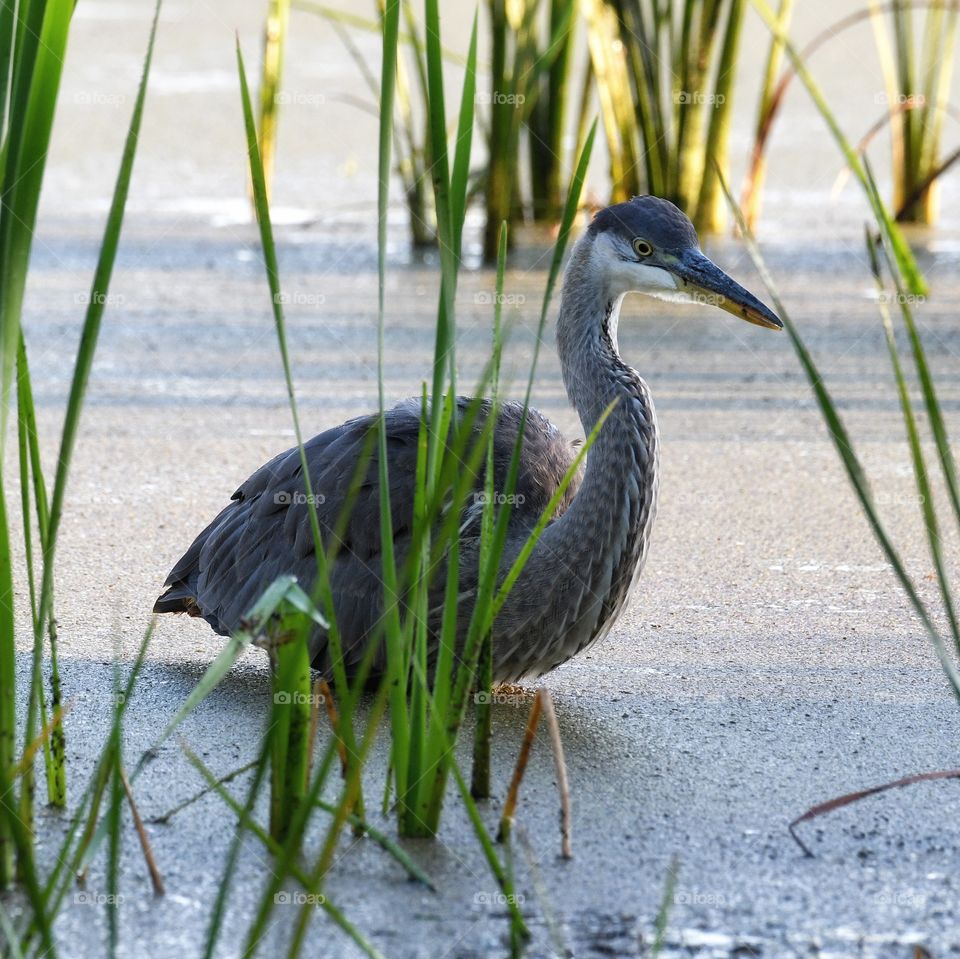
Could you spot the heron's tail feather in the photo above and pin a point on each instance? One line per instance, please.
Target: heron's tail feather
(178, 599)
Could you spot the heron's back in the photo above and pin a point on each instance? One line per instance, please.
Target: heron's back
(264, 532)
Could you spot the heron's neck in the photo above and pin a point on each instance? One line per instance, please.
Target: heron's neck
(606, 528)
(594, 373)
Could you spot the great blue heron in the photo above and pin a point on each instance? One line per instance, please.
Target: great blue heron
(589, 557)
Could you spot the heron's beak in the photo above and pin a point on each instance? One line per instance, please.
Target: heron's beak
(703, 281)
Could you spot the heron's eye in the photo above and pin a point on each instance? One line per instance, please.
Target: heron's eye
(642, 247)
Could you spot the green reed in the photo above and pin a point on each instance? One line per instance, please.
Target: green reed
(664, 76)
(32, 47)
(906, 263)
(917, 87)
(531, 57)
(892, 285)
(917, 83)
(275, 29)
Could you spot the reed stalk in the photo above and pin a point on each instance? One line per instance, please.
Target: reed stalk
(275, 29)
(753, 187)
(664, 75)
(32, 56)
(946, 644)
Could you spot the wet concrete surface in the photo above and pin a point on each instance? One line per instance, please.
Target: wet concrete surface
(767, 662)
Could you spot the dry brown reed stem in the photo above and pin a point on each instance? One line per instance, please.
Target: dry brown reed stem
(155, 877)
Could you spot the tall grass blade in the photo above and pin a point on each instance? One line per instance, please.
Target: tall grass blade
(34, 85)
(663, 913)
(7, 21)
(274, 43)
(31, 466)
(844, 445)
(906, 263)
(85, 353)
(9, 808)
(290, 742)
(920, 472)
(711, 208)
(499, 192)
(460, 176)
(395, 655)
(480, 777)
(445, 729)
(321, 588)
(41, 46)
(931, 399)
(114, 823)
(753, 187)
(33, 49)
(446, 198)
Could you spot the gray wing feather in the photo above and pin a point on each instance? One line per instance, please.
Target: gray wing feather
(265, 530)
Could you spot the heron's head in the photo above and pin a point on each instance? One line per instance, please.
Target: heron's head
(647, 245)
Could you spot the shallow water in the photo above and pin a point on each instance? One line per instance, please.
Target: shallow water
(767, 662)
(191, 164)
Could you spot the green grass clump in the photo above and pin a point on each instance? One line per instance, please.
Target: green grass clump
(917, 94)
(426, 697)
(906, 263)
(32, 48)
(532, 50)
(429, 694)
(664, 76)
(274, 46)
